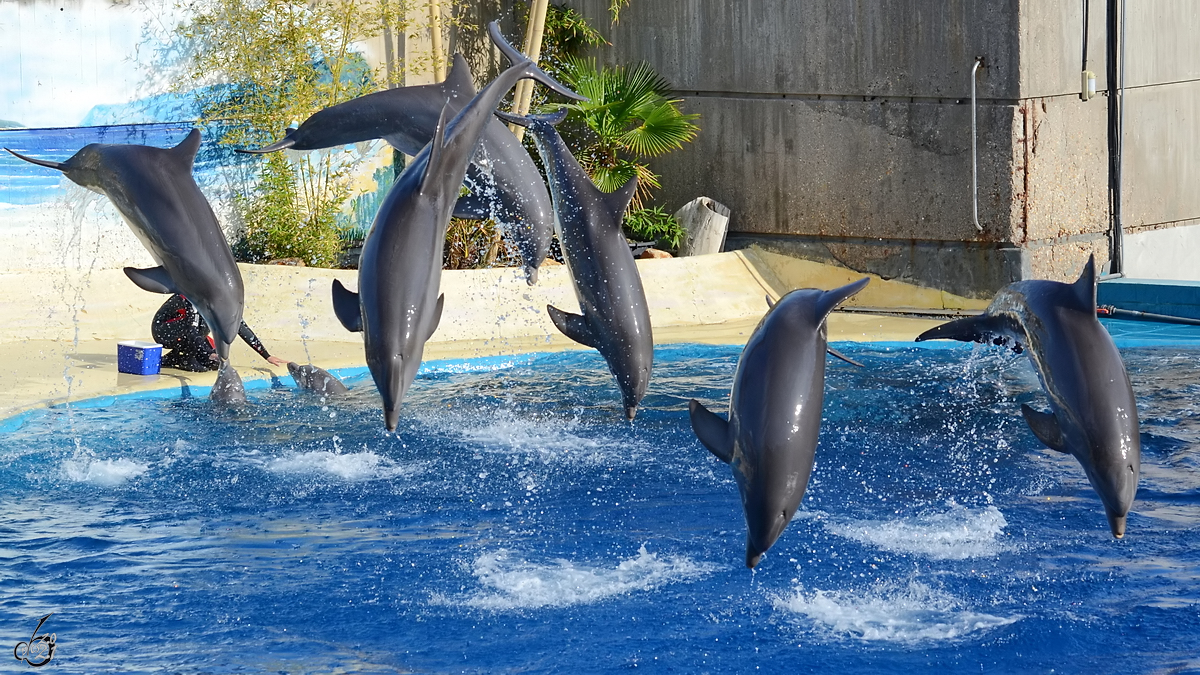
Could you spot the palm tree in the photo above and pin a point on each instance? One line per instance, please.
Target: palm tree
(628, 118)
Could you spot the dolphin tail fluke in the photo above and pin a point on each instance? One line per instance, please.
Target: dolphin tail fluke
(574, 326)
(518, 59)
(1085, 285)
(228, 389)
(1045, 427)
(153, 279)
(971, 329)
(60, 166)
(712, 431)
(832, 298)
(346, 307)
(288, 140)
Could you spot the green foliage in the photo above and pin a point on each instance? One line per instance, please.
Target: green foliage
(654, 224)
(567, 33)
(272, 230)
(258, 65)
(627, 119)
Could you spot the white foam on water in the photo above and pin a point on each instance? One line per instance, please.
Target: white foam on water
(353, 466)
(550, 439)
(104, 472)
(891, 613)
(957, 534)
(509, 582)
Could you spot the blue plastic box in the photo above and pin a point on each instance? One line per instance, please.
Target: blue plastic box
(138, 357)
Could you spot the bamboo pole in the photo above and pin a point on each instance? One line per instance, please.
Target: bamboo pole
(435, 38)
(533, 48)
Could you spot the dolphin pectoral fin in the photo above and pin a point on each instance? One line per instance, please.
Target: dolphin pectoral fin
(437, 316)
(836, 354)
(153, 279)
(573, 326)
(770, 302)
(1045, 427)
(832, 298)
(189, 146)
(472, 207)
(712, 431)
(973, 329)
(529, 120)
(346, 307)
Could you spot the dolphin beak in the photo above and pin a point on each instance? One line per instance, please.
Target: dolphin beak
(531, 274)
(391, 418)
(1117, 525)
(282, 144)
(40, 162)
(630, 412)
(753, 556)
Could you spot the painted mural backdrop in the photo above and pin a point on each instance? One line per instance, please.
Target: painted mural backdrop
(80, 72)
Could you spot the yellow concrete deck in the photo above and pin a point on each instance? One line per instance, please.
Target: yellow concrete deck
(58, 339)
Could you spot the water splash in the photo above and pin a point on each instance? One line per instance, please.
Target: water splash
(912, 612)
(956, 534)
(510, 582)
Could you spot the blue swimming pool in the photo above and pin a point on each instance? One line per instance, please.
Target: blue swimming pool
(517, 523)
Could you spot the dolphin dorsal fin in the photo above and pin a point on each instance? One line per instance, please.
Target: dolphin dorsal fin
(189, 146)
(1085, 285)
(437, 147)
(831, 299)
(619, 201)
(712, 431)
(458, 82)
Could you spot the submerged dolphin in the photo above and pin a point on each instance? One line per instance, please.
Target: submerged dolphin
(775, 412)
(506, 184)
(155, 192)
(1093, 414)
(615, 320)
(315, 379)
(397, 306)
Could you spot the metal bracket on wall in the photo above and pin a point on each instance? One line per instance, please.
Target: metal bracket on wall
(974, 150)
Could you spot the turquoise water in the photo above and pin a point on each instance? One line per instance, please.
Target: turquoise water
(516, 523)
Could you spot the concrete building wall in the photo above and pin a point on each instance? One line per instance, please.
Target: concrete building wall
(841, 131)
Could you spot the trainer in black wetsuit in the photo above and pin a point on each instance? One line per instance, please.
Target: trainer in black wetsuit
(180, 328)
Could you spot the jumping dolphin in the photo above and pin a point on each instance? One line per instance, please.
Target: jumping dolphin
(506, 184)
(775, 412)
(615, 320)
(1093, 414)
(397, 306)
(155, 192)
(315, 379)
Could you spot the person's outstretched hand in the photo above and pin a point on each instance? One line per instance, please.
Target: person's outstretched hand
(276, 361)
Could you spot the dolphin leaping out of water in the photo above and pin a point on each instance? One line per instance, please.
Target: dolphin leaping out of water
(770, 439)
(1093, 414)
(397, 306)
(155, 192)
(615, 319)
(506, 185)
